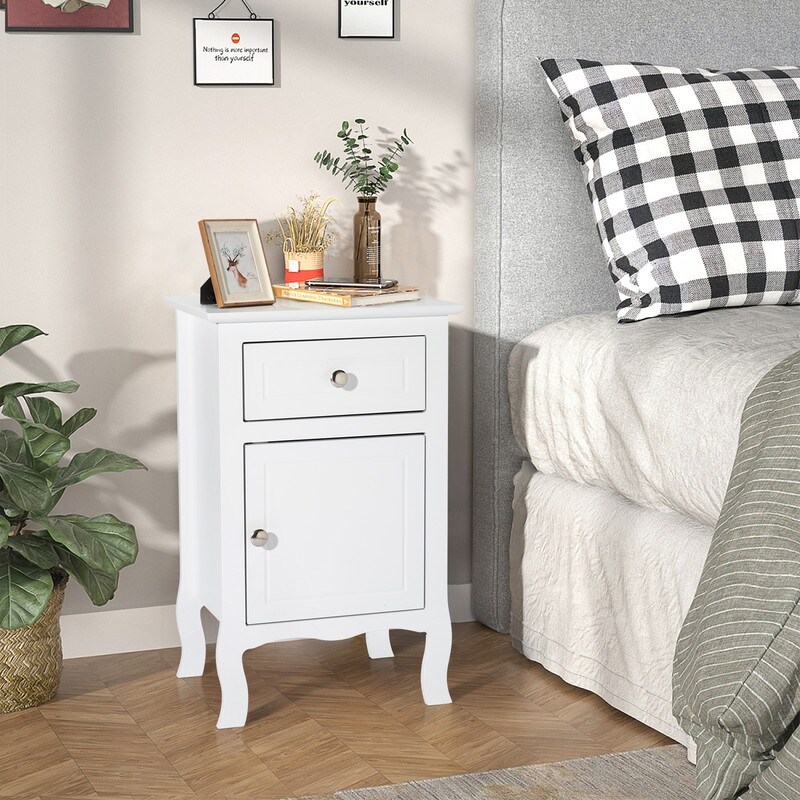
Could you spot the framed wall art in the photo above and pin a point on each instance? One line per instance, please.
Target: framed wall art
(366, 19)
(234, 52)
(69, 16)
(236, 262)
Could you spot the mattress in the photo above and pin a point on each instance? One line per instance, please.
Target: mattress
(600, 588)
(650, 409)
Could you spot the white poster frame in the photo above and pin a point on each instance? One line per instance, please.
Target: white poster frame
(220, 38)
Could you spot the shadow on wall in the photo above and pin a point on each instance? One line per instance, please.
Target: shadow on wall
(412, 247)
(413, 242)
(147, 499)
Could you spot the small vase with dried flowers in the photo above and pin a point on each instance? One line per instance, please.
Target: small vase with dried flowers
(305, 236)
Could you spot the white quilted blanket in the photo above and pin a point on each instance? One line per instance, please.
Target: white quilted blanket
(650, 409)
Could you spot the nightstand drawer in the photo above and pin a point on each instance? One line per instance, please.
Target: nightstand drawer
(333, 377)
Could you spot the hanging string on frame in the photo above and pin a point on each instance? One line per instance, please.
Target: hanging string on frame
(213, 13)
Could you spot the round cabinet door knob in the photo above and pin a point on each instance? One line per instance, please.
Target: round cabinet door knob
(339, 379)
(259, 538)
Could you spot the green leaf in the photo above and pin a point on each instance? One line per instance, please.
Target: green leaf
(12, 335)
(44, 411)
(35, 547)
(99, 585)
(95, 462)
(360, 121)
(78, 420)
(8, 507)
(5, 529)
(24, 590)
(53, 502)
(104, 543)
(12, 409)
(21, 389)
(27, 489)
(45, 446)
(12, 446)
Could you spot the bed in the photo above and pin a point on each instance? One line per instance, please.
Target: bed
(592, 500)
(633, 431)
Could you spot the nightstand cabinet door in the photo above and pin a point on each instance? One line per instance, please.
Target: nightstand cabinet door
(335, 527)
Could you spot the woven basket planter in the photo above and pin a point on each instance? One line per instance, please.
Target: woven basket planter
(30, 658)
(301, 267)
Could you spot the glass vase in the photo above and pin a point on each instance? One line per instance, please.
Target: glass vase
(367, 240)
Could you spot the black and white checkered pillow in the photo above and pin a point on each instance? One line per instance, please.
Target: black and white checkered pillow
(694, 177)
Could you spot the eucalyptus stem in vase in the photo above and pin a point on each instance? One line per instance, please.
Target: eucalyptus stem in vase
(367, 173)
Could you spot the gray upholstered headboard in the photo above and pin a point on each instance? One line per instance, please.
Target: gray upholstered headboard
(538, 256)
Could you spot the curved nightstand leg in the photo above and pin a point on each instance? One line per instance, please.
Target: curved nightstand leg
(233, 683)
(379, 644)
(192, 636)
(438, 641)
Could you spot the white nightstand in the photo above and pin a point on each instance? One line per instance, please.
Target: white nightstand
(313, 481)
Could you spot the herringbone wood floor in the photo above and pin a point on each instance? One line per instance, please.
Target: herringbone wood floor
(323, 717)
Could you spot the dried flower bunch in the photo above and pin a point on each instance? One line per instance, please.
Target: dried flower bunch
(306, 231)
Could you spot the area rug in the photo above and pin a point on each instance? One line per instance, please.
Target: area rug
(662, 773)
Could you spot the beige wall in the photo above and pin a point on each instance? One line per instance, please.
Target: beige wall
(110, 157)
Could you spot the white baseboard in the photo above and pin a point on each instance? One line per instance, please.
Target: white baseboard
(103, 633)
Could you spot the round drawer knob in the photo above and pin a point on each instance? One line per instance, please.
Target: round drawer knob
(339, 379)
(259, 538)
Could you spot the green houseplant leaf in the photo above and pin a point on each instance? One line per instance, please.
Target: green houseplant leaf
(99, 585)
(12, 335)
(12, 446)
(27, 488)
(45, 412)
(78, 420)
(12, 408)
(24, 590)
(45, 446)
(36, 548)
(104, 543)
(95, 462)
(93, 550)
(24, 389)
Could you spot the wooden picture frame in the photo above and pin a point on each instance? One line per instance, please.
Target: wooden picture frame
(236, 262)
(38, 16)
(375, 21)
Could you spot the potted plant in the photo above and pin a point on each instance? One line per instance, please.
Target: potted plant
(40, 550)
(305, 237)
(368, 173)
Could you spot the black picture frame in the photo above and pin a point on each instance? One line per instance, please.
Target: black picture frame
(393, 5)
(11, 28)
(240, 22)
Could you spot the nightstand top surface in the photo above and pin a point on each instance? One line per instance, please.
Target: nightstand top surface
(293, 310)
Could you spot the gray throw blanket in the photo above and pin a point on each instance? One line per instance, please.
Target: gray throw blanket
(736, 686)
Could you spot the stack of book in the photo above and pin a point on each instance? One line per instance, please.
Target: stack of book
(347, 298)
